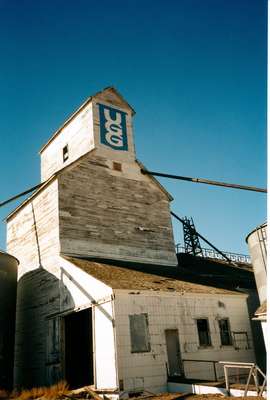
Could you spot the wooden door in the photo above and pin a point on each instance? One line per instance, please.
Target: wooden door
(173, 352)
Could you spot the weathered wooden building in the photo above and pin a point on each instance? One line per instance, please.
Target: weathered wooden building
(100, 300)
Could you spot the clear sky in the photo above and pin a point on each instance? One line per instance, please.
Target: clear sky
(194, 70)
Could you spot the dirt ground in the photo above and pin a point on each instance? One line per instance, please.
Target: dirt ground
(62, 393)
(186, 396)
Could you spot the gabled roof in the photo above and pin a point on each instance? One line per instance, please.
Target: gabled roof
(26, 201)
(85, 103)
(44, 185)
(144, 277)
(153, 179)
(57, 173)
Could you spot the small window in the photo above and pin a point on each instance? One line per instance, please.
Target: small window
(117, 166)
(139, 333)
(225, 332)
(65, 153)
(203, 332)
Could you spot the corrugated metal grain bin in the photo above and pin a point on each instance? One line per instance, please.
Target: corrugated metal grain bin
(257, 243)
(8, 291)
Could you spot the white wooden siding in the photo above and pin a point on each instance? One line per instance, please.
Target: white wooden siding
(176, 311)
(114, 215)
(88, 291)
(105, 347)
(77, 134)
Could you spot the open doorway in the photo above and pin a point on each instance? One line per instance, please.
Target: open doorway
(79, 349)
(175, 367)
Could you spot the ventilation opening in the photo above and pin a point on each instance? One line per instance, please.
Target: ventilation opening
(117, 166)
(65, 153)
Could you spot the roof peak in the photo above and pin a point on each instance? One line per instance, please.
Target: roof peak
(84, 104)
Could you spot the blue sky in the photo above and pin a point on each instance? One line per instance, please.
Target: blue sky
(194, 70)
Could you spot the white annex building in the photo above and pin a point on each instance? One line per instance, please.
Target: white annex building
(100, 298)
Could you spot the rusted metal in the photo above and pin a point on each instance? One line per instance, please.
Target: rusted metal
(205, 240)
(191, 239)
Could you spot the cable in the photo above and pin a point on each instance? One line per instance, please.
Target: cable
(205, 181)
(20, 194)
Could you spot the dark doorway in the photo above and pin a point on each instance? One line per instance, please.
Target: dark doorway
(175, 367)
(79, 349)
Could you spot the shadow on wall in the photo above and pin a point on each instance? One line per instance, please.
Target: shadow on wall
(259, 345)
(8, 290)
(37, 345)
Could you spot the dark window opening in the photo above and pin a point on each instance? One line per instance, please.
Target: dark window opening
(117, 166)
(121, 384)
(134, 394)
(203, 332)
(225, 332)
(65, 153)
(139, 333)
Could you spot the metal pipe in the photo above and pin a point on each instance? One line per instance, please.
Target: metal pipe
(205, 240)
(20, 194)
(205, 181)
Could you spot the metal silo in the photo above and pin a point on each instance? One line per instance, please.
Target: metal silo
(8, 290)
(257, 243)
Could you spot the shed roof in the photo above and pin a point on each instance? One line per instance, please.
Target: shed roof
(144, 277)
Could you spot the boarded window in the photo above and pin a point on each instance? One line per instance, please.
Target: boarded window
(225, 332)
(240, 340)
(139, 333)
(203, 332)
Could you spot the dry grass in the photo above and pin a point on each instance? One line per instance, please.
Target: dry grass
(53, 392)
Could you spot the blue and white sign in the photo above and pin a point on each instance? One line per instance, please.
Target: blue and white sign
(113, 127)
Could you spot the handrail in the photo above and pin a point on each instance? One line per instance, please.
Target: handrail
(214, 362)
(209, 253)
(253, 372)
